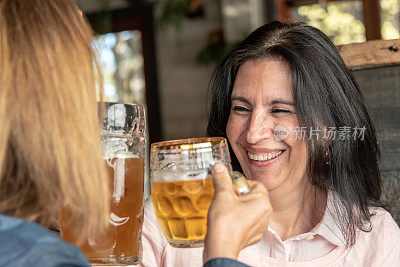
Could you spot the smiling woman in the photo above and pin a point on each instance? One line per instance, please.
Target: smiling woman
(285, 100)
(275, 97)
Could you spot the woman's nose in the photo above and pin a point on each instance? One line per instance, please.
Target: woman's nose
(260, 127)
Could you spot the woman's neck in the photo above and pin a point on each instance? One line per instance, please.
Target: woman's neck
(296, 212)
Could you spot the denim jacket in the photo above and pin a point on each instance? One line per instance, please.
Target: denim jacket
(224, 262)
(24, 243)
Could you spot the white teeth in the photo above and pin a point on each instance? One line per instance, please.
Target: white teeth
(264, 157)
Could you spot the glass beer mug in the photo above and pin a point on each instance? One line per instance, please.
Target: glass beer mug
(123, 140)
(182, 188)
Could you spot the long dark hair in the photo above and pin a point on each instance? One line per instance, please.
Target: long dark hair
(325, 95)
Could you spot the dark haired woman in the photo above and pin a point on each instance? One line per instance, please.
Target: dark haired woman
(296, 122)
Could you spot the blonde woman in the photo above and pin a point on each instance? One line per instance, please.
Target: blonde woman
(50, 153)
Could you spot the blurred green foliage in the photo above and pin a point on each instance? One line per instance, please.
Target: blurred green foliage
(341, 26)
(390, 12)
(213, 52)
(173, 13)
(336, 21)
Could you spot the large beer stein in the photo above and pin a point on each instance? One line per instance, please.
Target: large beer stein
(182, 188)
(123, 140)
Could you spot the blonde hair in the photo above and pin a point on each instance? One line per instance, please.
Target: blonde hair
(50, 151)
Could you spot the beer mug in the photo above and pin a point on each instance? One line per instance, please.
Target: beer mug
(123, 140)
(182, 188)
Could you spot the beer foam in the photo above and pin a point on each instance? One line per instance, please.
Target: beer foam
(169, 176)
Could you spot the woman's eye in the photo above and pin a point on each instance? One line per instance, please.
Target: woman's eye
(240, 109)
(281, 111)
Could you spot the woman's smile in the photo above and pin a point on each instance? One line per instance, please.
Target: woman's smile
(261, 158)
(264, 157)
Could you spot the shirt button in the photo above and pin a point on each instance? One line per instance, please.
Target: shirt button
(311, 237)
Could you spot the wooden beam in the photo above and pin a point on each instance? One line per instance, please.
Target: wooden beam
(372, 19)
(371, 54)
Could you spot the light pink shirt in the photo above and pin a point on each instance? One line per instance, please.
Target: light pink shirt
(324, 245)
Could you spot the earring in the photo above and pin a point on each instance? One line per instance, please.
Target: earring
(326, 157)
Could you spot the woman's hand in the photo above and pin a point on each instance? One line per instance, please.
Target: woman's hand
(234, 221)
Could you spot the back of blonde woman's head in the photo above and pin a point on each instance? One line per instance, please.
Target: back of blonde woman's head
(50, 152)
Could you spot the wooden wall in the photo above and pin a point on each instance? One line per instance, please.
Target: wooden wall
(376, 67)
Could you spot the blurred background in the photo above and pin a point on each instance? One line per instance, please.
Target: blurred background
(161, 53)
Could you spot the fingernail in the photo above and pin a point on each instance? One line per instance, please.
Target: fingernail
(219, 167)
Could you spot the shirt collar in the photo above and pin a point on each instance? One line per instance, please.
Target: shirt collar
(328, 227)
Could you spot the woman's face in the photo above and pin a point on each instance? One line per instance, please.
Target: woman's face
(262, 113)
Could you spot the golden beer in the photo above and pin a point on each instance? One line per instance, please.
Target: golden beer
(181, 208)
(123, 237)
(182, 188)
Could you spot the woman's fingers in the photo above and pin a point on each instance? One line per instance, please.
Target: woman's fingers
(257, 191)
(257, 186)
(234, 221)
(221, 178)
